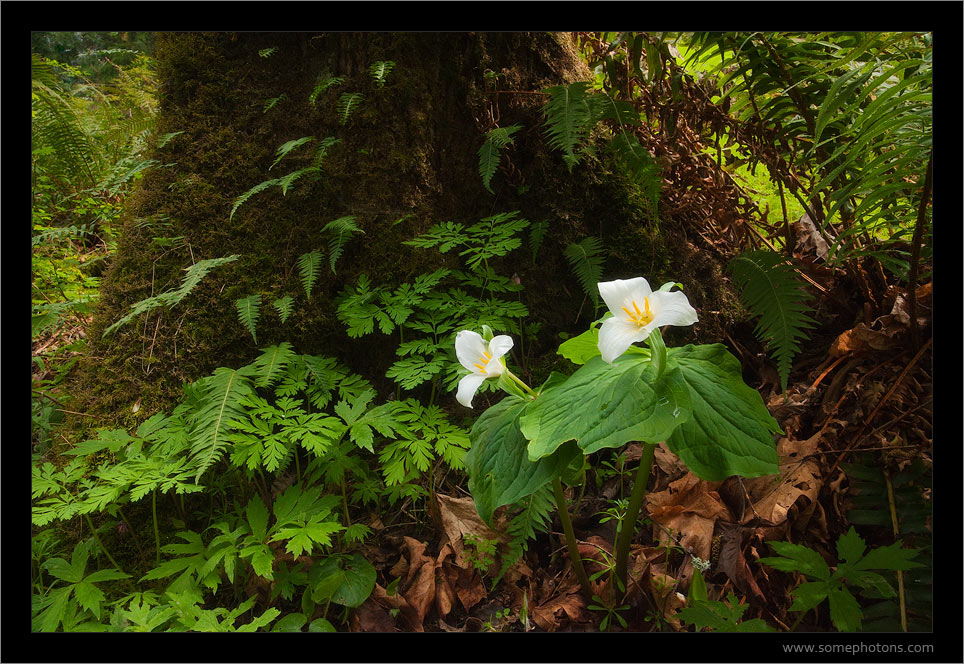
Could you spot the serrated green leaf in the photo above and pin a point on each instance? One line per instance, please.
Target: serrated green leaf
(808, 595)
(850, 546)
(844, 610)
(797, 558)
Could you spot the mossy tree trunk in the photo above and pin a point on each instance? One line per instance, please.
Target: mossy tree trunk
(407, 159)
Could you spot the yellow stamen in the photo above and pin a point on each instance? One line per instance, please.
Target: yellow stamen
(484, 361)
(638, 317)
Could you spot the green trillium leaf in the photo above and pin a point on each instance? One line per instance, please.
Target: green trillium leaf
(731, 431)
(500, 472)
(607, 405)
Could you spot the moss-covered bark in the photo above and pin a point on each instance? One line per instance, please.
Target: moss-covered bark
(409, 153)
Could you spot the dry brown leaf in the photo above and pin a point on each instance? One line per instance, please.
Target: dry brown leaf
(571, 605)
(771, 497)
(371, 617)
(861, 338)
(459, 518)
(420, 580)
(396, 601)
(732, 561)
(690, 507)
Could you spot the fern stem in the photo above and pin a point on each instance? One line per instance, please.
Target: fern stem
(628, 525)
(101, 543)
(563, 510)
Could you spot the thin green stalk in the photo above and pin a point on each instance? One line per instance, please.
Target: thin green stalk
(628, 526)
(99, 541)
(131, 530)
(157, 534)
(563, 510)
(520, 383)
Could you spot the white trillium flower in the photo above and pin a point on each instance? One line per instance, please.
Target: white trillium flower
(638, 310)
(481, 358)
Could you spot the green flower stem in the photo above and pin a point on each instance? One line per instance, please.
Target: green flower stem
(101, 543)
(563, 510)
(520, 383)
(628, 525)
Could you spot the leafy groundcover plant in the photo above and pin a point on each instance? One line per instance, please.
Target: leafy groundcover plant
(693, 397)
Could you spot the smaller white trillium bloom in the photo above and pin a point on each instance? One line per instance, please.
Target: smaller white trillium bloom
(638, 310)
(481, 358)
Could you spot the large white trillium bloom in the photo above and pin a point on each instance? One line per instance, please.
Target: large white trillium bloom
(481, 358)
(638, 310)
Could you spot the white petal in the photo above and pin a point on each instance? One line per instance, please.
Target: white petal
(500, 345)
(467, 387)
(616, 335)
(621, 293)
(469, 348)
(672, 308)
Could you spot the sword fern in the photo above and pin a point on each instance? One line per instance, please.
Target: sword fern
(770, 290)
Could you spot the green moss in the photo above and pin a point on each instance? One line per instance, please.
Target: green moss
(410, 150)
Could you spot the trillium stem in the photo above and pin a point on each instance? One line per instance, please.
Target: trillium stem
(520, 383)
(628, 526)
(573, 547)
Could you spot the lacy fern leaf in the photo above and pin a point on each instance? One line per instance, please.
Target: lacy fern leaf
(770, 289)
(309, 265)
(340, 229)
(249, 309)
(489, 155)
(586, 260)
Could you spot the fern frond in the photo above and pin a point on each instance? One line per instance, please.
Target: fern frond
(535, 517)
(284, 305)
(268, 52)
(380, 70)
(570, 116)
(170, 298)
(770, 289)
(308, 265)
(274, 101)
(586, 260)
(288, 147)
(489, 155)
(287, 180)
(347, 103)
(323, 85)
(271, 363)
(326, 144)
(217, 402)
(641, 167)
(249, 309)
(340, 229)
(256, 189)
(537, 233)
